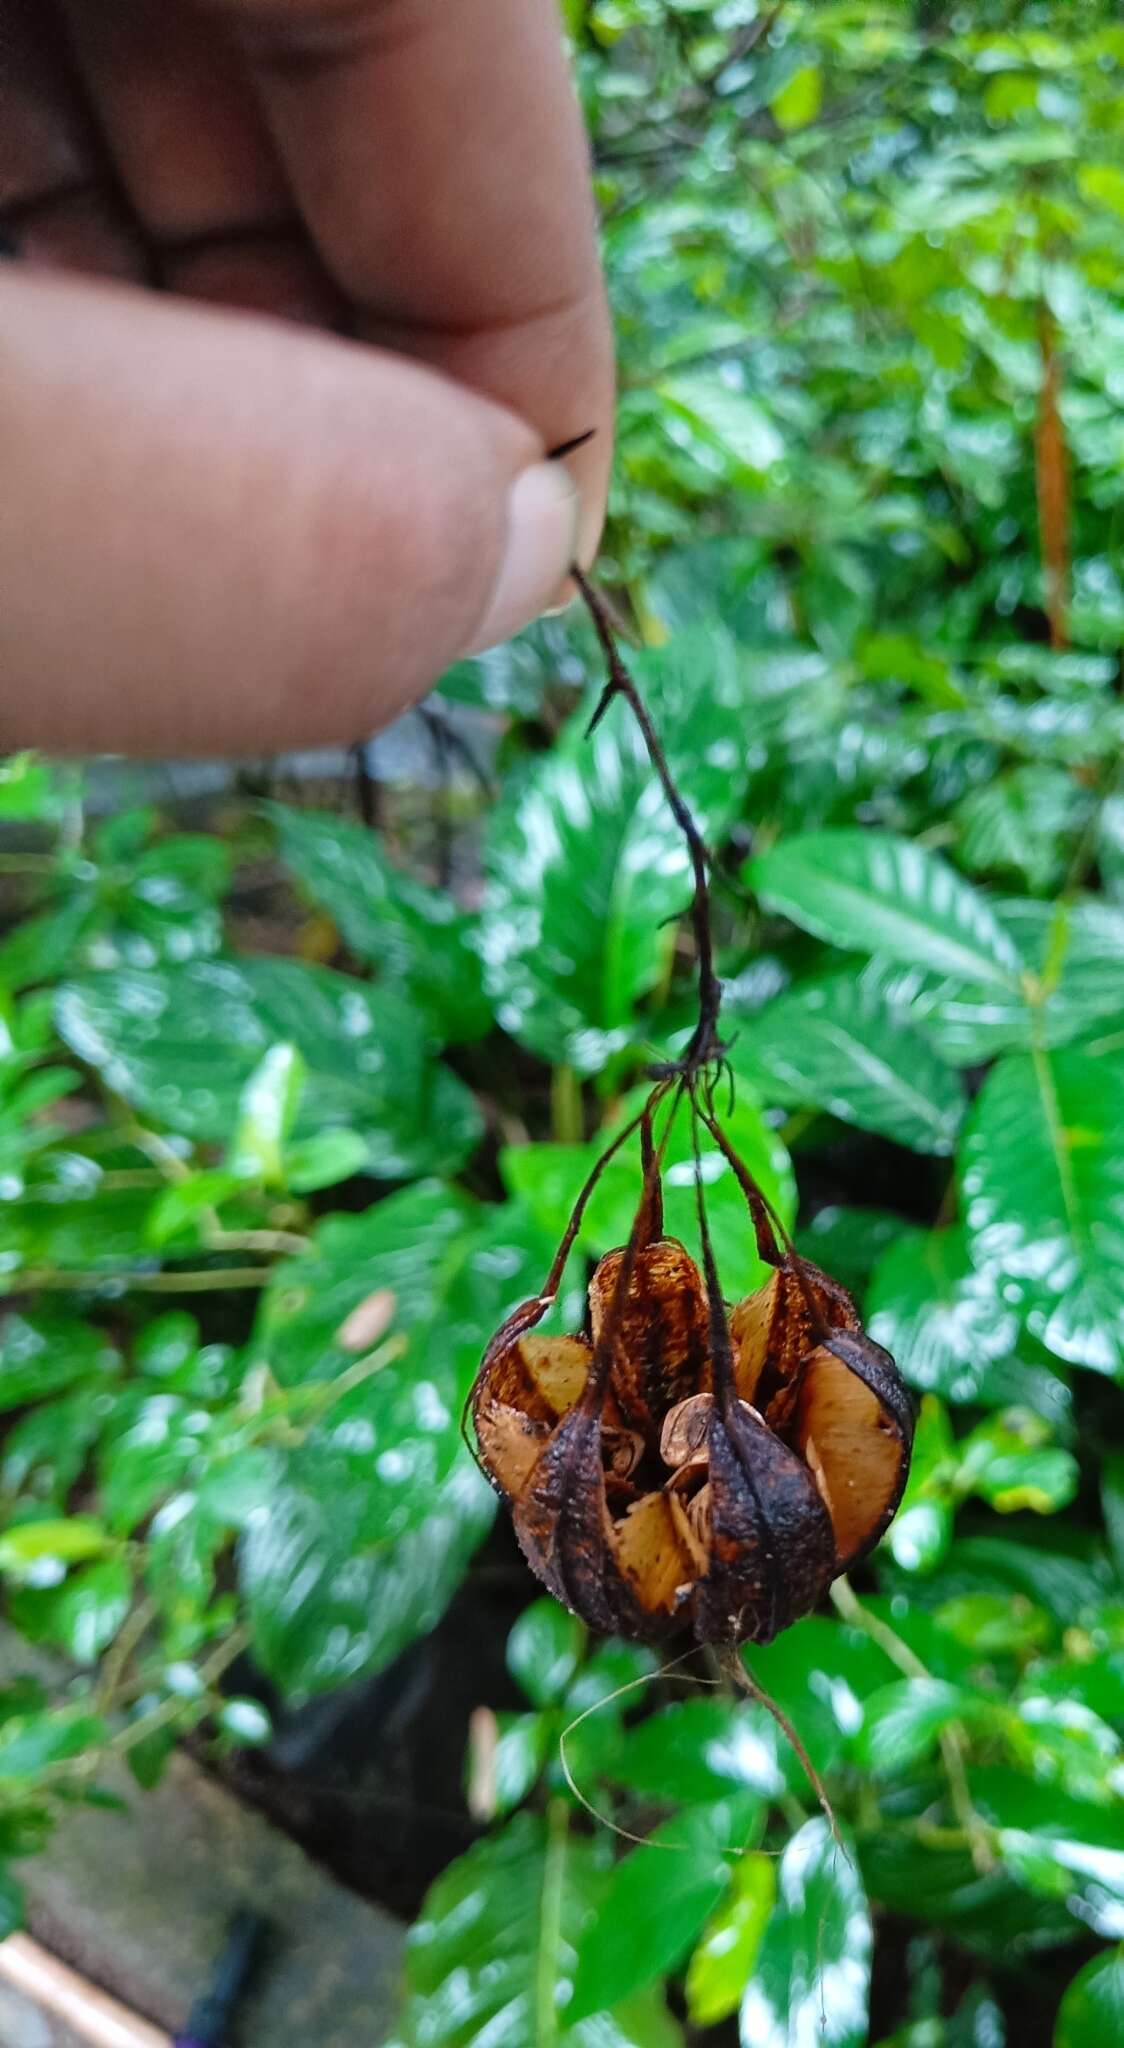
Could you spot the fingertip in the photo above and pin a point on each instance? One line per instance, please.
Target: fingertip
(543, 523)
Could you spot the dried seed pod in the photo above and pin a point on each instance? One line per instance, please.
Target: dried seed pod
(650, 1489)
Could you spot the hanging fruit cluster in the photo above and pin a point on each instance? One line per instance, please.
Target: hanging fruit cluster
(681, 1463)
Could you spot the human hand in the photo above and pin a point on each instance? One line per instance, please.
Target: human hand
(225, 530)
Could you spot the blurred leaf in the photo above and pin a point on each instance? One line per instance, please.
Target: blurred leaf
(812, 1979)
(1043, 1179)
(46, 1351)
(903, 1723)
(68, 1539)
(919, 1535)
(380, 1508)
(885, 895)
(835, 1046)
(267, 1110)
(413, 936)
(727, 1950)
(81, 1616)
(544, 1651)
(494, 1949)
(180, 1044)
(29, 1743)
(799, 99)
(736, 422)
(656, 1901)
(1091, 2013)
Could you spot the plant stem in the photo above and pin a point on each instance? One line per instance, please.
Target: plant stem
(550, 1924)
(566, 1120)
(50, 1279)
(953, 1739)
(704, 1045)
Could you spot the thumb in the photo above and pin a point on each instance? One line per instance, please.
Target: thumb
(223, 534)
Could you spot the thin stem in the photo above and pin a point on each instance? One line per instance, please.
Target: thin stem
(953, 1738)
(550, 1924)
(704, 1043)
(565, 1107)
(48, 1279)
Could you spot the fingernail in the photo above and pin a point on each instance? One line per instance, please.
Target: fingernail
(543, 512)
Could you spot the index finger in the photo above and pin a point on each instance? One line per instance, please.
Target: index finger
(436, 152)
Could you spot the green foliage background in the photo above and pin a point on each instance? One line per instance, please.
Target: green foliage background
(844, 243)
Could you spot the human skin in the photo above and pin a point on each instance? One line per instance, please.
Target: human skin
(268, 501)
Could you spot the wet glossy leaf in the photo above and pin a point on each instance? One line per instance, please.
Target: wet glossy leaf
(379, 1510)
(1091, 2013)
(727, 1950)
(849, 1243)
(947, 1325)
(412, 936)
(903, 1722)
(657, 1900)
(1043, 1181)
(881, 894)
(919, 1536)
(1068, 953)
(495, 1948)
(700, 1750)
(181, 1044)
(831, 1045)
(812, 1978)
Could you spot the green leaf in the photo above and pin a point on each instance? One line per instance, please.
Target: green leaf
(921, 1532)
(29, 1743)
(522, 1747)
(886, 895)
(46, 1351)
(903, 1723)
(413, 936)
(1068, 953)
(180, 1044)
(587, 864)
(1009, 1462)
(656, 1902)
(799, 99)
(733, 420)
(267, 1110)
(544, 1650)
(1043, 1180)
(12, 1904)
(724, 1958)
(835, 1046)
(329, 1595)
(947, 1325)
(84, 1614)
(812, 1980)
(411, 1244)
(323, 1161)
(700, 1750)
(493, 1951)
(1091, 2014)
(69, 1540)
(378, 1511)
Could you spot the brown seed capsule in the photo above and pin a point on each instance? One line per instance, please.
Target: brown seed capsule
(691, 1467)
